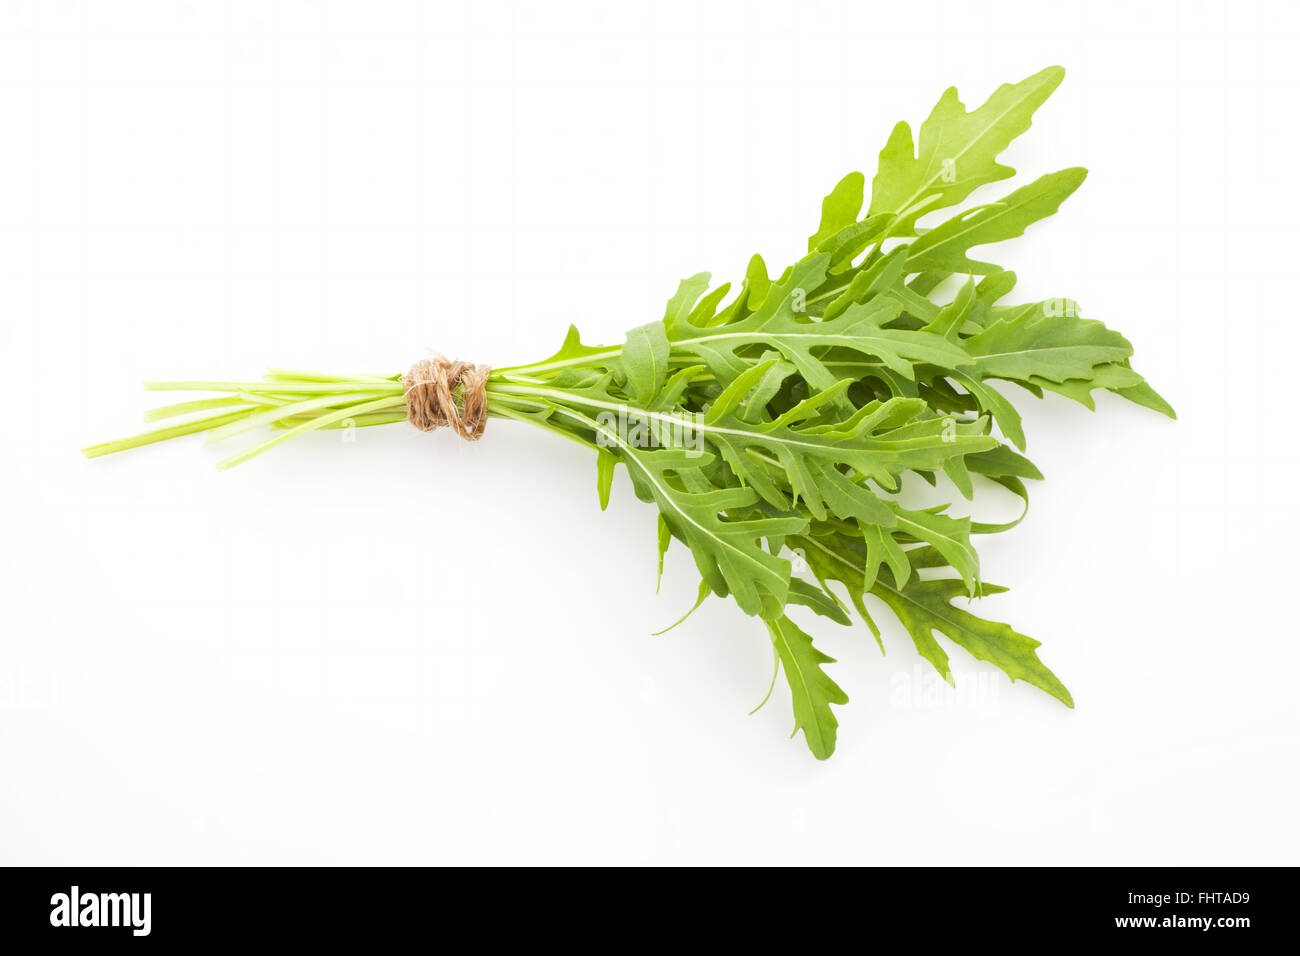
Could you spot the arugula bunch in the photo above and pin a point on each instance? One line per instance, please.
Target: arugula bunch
(779, 422)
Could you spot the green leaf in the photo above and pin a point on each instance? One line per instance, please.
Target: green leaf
(727, 550)
(882, 549)
(949, 536)
(1031, 343)
(781, 326)
(1113, 376)
(821, 601)
(605, 462)
(786, 460)
(952, 316)
(645, 360)
(573, 352)
(1147, 397)
(683, 301)
(756, 284)
(924, 607)
(989, 399)
(839, 209)
(664, 537)
(945, 246)
(852, 240)
(811, 691)
(958, 150)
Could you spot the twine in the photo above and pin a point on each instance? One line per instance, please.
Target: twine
(430, 400)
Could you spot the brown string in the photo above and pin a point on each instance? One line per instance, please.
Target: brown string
(430, 400)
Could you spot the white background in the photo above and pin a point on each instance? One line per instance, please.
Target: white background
(412, 649)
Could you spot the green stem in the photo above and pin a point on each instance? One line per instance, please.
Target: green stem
(162, 434)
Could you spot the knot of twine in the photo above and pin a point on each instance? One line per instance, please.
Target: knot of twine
(430, 400)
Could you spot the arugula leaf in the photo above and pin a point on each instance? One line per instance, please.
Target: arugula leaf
(958, 150)
(945, 246)
(1031, 344)
(840, 209)
(727, 551)
(605, 464)
(925, 607)
(645, 360)
(810, 689)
